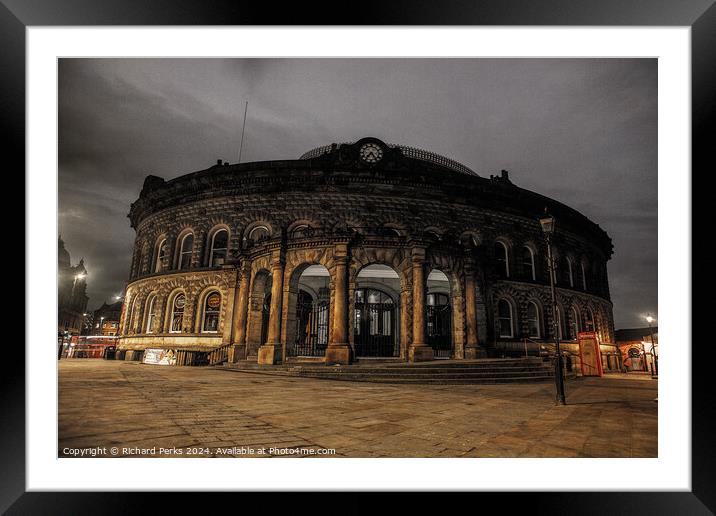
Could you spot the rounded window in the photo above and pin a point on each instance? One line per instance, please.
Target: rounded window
(503, 265)
(528, 264)
(301, 231)
(185, 251)
(533, 326)
(178, 313)
(210, 320)
(259, 233)
(151, 314)
(162, 253)
(504, 319)
(219, 248)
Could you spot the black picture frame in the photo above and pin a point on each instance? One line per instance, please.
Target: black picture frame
(699, 15)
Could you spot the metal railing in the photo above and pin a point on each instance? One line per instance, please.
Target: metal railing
(193, 357)
(410, 152)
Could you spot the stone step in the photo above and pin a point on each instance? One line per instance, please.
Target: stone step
(440, 381)
(424, 368)
(493, 374)
(396, 365)
(419, 370)
(483, 371)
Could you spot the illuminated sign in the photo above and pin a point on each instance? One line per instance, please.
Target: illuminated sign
(214, 300)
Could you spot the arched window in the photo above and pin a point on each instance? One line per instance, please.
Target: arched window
(575, 326)
(589, 320)
(219, 246)
(568, 274)
(504, 318)
(432, 236)
(562, 274)
(389, 232)
(151, 314)
(210, 318)
(131, 318)
(185, 251)
(259, 233)
(533, 326)
(528, 263)
(469, 240)
(584, 277)
(300, 231)
(503, 264)
(177, 308)
(162, 253)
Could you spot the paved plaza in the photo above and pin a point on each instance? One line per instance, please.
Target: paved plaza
(132, 409)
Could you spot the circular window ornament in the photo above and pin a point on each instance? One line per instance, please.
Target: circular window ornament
(180, 301)
(214, 300)
(371, 153)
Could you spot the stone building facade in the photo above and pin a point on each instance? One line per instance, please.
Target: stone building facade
(71, 293)
(360, 250)
(105, 320)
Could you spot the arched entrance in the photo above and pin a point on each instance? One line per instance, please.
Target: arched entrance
(308, 312)
(438, 317)
(374, 330)
(265, 313)
(439, 327)
(376, 305)
(311, 337)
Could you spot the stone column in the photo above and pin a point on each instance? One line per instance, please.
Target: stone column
(339, 350)
(472, 349)
(418, 350)
(227, 326)
(241, 307)
(270, 351)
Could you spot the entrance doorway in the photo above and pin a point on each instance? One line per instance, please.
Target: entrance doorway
(374, 324)
(311, 337)
(265, 312)
(308, 312)
(439, 325)
(438, 315)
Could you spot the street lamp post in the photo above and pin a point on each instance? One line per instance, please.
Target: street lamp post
(548, 224)
(654, 358)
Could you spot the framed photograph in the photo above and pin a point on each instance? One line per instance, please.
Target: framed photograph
(432, 252)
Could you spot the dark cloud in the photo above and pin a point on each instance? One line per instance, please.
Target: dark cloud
(583, 131)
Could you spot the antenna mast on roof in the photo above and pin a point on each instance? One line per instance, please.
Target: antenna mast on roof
(241, 147)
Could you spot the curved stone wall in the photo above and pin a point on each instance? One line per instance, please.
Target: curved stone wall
(277, 218)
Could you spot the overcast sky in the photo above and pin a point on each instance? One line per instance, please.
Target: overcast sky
(582, 131)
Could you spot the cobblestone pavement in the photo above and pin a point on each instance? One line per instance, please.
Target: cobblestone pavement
(152, 410)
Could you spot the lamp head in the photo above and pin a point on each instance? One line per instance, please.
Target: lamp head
(547, 222)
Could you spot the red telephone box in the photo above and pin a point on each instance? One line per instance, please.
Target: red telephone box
(589, 354)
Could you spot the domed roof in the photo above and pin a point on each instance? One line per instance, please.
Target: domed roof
(409, 152)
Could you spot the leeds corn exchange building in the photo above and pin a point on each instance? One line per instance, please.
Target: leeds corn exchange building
(358, 250)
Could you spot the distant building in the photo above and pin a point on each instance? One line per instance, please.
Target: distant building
(71, 293)
(105, 320)
(635, 345)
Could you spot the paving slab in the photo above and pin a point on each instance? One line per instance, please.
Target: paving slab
(116, 404)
